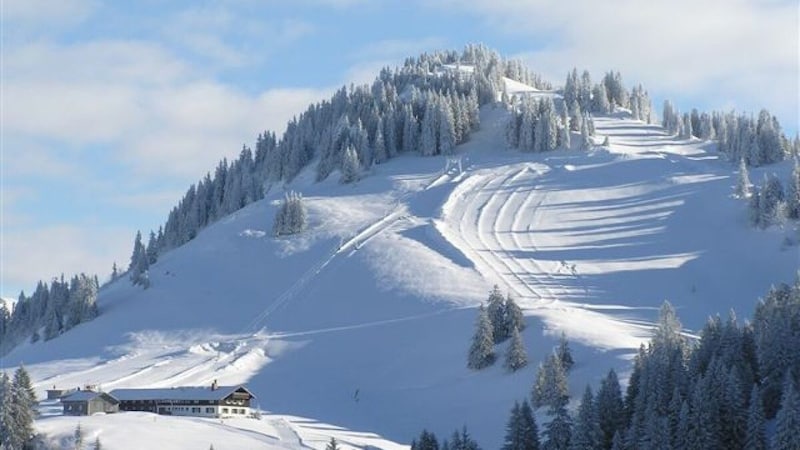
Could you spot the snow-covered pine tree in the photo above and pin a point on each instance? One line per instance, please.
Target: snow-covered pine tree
(771, 197)
(564, 137)
(139, 265)
(152, 249)
(754, 208)
(332, 445)
(793, 194)
(521, 430)
(351, 167)
(514, 319)
(586, 140)
(755, 435)
(610, 408)
(8, 437)
(380, 152)
(291, 215)
(787, 421)
(587, 435)
(426, 441)
(558, 432)
(516, 357)
(496, 310)
(743, 181)
(564, 353)
(461, 440)
(550, 388)
(481, 352)
(18, 410)
(600, 103)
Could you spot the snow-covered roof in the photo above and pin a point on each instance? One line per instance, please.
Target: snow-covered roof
(81, 396)
(177, 393)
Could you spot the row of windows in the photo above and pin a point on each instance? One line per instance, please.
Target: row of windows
(234, 411)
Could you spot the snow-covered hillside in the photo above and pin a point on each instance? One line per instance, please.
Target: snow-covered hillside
(363, 321)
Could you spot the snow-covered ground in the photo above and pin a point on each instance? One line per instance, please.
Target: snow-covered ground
(134, 431)
(363, 321)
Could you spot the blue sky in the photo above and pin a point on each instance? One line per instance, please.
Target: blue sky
(111, 109)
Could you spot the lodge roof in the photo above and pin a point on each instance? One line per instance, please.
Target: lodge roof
(178, 393)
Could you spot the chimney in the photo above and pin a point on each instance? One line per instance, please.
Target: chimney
(214, 385)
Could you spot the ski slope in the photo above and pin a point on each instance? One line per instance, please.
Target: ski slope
(364, 320)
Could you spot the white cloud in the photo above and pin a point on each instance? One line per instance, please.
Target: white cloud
(32, 254)
(161, 116)
(43, 14)
(721, 50)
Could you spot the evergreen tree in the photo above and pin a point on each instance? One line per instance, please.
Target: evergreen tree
(793, 194)
(755, 437)
(743, 181)
(610, 408)
(351, 167)
(558, 432)
(18, 410)
(514, 319)
(139, 264)
(151, 251)
(564, 353)
(332, 445)
(497, 315)
(8, 435)
(426, 441)
(99, 446)
(462, 441)
(550, 388)
(516, 358)
(521, 431)
(787, 421)
(586, 141)
(291, 215)
(587, 434)
(481, 352)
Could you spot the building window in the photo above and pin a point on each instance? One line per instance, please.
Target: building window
(209, 410)
(224, 410)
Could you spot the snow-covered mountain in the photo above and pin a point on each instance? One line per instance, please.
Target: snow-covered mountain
(363, 320)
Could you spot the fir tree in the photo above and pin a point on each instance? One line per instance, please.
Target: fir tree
(351, 167)
(516, 358)
(793, 194)
(521, 430)
(610, 408)
(139, 263)
(481, 352)
(332, 445)
(99, 446)
(550, 388)
(755, 437)
(497, 315)
(8, 436)
(564, 353)
(426, 441)
(291, 215)
(514, 319)
(587, 434)
(558, 432)
(787, 421)
(743, 181)
(461, 440)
